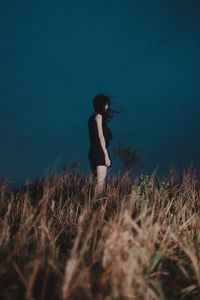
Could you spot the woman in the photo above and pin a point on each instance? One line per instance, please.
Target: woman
(100, 136)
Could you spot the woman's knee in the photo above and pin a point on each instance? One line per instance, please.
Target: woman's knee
(101, 172)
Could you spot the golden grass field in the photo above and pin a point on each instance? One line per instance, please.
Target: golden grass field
(139, 240)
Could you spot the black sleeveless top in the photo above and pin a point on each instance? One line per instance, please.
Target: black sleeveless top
(93, 131)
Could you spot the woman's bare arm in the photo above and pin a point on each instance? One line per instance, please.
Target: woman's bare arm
(98, 119)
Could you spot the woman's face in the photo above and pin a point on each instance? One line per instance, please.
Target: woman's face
(106, 106)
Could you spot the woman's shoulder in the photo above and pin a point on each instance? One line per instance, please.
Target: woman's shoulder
(98, 115)
(94, 116)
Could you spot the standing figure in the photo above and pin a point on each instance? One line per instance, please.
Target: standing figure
(99, 137)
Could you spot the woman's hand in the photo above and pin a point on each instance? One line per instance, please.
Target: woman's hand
(107, 161)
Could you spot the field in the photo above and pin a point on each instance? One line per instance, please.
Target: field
(139, 240)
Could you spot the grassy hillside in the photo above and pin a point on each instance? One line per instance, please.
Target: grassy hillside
(139, 240)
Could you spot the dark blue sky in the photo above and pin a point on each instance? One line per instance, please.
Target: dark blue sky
(56, 55)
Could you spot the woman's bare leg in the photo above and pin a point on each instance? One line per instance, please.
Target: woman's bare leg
(101, 172)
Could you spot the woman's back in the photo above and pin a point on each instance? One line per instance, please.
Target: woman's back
(93, 132)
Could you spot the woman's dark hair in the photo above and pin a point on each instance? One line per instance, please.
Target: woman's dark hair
(99, 103)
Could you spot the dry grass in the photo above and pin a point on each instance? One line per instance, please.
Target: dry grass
(140, 240)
